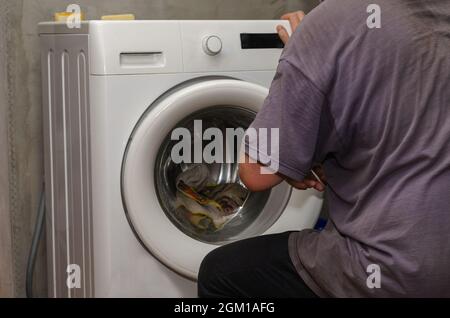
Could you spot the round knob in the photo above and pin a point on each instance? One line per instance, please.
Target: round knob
(212, 45)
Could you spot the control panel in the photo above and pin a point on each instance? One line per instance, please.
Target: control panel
(156, 47)
(211, 46)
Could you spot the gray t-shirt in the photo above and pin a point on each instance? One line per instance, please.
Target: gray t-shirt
(372, 105)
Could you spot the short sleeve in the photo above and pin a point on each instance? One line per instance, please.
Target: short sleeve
(287, 126)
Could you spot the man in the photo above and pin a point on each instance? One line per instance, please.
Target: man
(364, 90)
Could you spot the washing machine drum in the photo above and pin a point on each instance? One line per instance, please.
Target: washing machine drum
(149, 174)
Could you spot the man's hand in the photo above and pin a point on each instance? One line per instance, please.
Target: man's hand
(294, 19)
(310, 181)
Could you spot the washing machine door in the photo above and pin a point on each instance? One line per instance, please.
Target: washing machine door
(149, 176)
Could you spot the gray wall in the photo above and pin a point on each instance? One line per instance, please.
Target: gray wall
(5, 227)
(21, 163)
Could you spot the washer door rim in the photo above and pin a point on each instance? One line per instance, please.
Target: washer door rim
(196, 96)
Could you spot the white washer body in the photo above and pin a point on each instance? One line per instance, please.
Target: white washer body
(99, 81)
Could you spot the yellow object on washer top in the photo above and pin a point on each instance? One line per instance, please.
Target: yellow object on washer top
(63, 16)
(119, 17)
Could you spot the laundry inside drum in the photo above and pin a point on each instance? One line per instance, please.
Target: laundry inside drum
(208, 205)
(207, 201)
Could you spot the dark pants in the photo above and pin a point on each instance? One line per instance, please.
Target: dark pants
(256, 267)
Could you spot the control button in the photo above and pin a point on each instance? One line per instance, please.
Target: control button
(212, 45)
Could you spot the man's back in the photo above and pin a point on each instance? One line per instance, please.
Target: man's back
(384, 138)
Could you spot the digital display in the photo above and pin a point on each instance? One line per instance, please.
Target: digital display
(261, 41)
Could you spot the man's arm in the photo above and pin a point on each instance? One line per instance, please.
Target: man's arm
(250, 175)
(250, 172)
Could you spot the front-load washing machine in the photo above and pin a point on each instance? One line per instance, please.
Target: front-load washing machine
(114, 91)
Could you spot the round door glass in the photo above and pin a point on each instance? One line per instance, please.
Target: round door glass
(207, 201)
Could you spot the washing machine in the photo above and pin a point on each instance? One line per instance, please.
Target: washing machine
(113, 93)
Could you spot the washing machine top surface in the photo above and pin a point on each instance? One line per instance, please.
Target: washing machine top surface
(161, 47)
